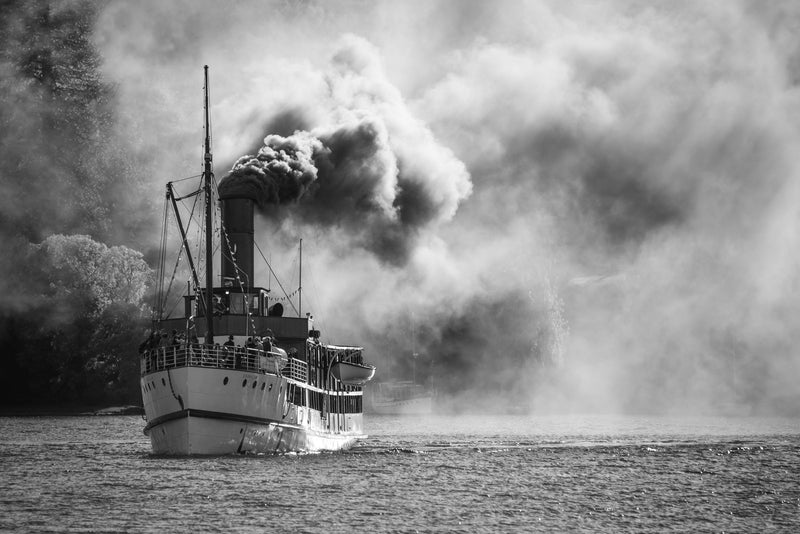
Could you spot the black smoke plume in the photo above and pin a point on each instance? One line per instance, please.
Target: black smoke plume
(369, 175)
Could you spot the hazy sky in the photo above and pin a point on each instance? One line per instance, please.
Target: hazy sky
(611, 187)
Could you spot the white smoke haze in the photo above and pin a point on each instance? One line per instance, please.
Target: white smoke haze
(602, 199)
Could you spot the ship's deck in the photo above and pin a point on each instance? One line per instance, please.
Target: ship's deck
(196, 355)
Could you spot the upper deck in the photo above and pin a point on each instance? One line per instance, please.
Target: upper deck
(244, 359)
(312, 367)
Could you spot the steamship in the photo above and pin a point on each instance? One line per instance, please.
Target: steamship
(234, 374)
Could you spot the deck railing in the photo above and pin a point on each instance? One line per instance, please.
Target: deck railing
(297, 370)
(253, 360)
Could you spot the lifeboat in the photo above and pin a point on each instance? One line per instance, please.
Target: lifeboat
(352, 374)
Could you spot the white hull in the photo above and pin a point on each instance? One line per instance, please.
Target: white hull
(197, 410)
(207, 436)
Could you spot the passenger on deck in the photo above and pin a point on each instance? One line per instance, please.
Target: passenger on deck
(164, 341)
(227, 355)
(150, 343)
(229, 347)
(269, 340)
(267, 344)
(155, 338)
(194, 345)
(219, 307)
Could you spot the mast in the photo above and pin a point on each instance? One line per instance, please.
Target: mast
(300, 284)
(207, 175)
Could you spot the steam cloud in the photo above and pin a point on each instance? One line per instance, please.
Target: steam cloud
(609, 186)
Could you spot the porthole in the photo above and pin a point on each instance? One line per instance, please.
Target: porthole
(263, 385)
(241, 430)
(164, 382)
(244, 382)
(270, 387)
(225, 381)
(254, 384)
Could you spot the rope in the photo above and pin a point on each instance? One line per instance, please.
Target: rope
(187, 178)
(178, 260)
(199, 243)
(276, 278)
(157, 311)
(165, 294)
(319, 321)
(161, 303)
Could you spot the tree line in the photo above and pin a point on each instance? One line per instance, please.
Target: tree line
(72, 301)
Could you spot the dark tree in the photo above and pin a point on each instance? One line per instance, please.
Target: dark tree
(71, 311)
(76, 325)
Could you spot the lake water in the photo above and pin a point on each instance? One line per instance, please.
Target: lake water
(436, 474)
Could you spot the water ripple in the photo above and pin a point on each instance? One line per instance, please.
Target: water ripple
(444, 474)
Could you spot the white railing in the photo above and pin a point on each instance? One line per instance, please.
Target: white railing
(253, 360)
(297, 370)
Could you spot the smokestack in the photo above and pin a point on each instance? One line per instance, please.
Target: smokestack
(237, 249)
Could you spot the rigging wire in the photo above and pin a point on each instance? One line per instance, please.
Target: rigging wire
(171, 281)
(200, 235)
(314, 296)
(174, 306)
(218, 229)
(292, 268)
(178, 180)
(166, 293)
(157, 310)
(180, 253)
(276, 278)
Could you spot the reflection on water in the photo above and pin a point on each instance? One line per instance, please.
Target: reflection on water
(471, 474)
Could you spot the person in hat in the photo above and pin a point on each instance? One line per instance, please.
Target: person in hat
(229, 349)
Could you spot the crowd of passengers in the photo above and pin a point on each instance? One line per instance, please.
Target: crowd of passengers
(232, 355)
(160, 339)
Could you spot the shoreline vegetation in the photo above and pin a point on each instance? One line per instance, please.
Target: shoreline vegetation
(75, 298)
(69, 410)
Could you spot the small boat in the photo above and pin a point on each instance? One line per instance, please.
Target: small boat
(273, 386)
(352, 374)
(403, 397)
